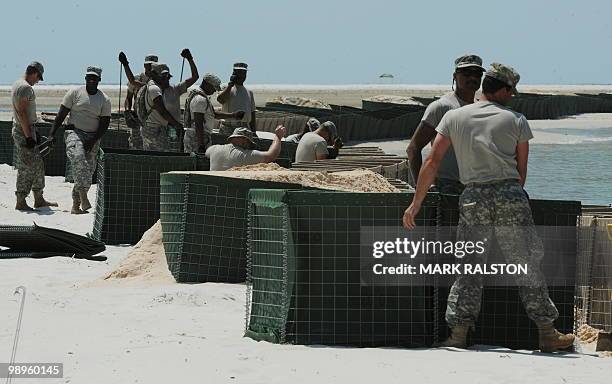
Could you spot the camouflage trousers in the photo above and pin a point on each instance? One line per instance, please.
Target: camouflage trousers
(83, 163)
(499, 210)
(155, 137)
(135, 138)
(190, 141)
(449, 187)
(29, 165)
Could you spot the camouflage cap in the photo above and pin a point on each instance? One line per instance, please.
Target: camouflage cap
(243, 132)
(39, 67)
(505, 74)
(213, 80)
(160, 69)
(93, 70)
(313, 124)
(468, 60)
(241, 66)
(150, 59)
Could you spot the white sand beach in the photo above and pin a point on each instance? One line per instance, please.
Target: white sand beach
(151, 331)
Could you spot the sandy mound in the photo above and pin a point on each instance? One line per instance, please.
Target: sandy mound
(300, 102)
(146, 262)
(360, 180)
(395, 100)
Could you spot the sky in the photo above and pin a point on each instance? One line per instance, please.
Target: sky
(312, 41)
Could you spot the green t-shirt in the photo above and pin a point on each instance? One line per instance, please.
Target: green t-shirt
(484, 136)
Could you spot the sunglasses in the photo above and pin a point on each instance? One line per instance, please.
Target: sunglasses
(470, 72)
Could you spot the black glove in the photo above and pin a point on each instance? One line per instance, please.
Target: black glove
(123, 58)
(30, 142)
(239, 115)
(201, 149)
(186, 53)
(338, 143)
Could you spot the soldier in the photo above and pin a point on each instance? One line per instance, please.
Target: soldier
(241, 150)
(199, 117)
(491, 143)
(28, 161)
(314, 145)
(311, 125)
(131, 118)
(467, 76)
(236, 97)
(162, 104)
(90, 114)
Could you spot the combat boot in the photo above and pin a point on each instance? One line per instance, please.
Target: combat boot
(85, 204)
(39, 200)
(22, 205)
(457, 339)
(551, 340)
(76, 205)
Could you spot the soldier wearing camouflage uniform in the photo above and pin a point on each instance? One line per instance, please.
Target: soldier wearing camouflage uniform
(90, 114)
(162, 104)
(491, 147)
(131, 118)
(467, 76)
(28, 160)
(200, 116)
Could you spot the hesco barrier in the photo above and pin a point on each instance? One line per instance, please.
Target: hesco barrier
(204, 222)
(360, 125)
(113, 138)
(6, 142)
(503, 320)
(304, 283)
(299, 283)
(127, 202)
(535, 106)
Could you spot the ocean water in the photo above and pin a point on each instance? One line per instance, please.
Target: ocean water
(578, 170)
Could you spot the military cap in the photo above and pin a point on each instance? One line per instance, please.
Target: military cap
(505, 74)
(39, 67)
(93, 70)
(468, 60)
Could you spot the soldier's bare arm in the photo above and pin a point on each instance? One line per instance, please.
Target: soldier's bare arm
(194, 70)
(59, 120)
(428, 175)
(128, 71)
(158, 104)
(127, 105)
(522, 156)
(272, 153)
(423, 135)
(199, 120)
(224, 96)
(22, 112)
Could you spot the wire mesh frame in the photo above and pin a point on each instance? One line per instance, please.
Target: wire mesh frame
(128, 193)
(593, 301)
(213, 225)
(280, 320)
(328, 305)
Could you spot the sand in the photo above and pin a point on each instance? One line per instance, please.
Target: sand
(185, 333)
(146, 263)
(360, 180)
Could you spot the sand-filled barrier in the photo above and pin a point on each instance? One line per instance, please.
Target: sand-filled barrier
(360, 180)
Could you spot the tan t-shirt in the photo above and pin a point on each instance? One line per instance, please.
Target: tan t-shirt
(22, 89)
(310, 146)
(432, 116)
(485, 136)
(240, 99)
(172, 101)
(224, 157)
(201, 104)
(86, 109)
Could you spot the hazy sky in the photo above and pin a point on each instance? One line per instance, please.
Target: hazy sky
(312, 41)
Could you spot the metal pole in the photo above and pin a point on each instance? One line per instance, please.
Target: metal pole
(120, 76)
(21, 288)
(182, 68)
